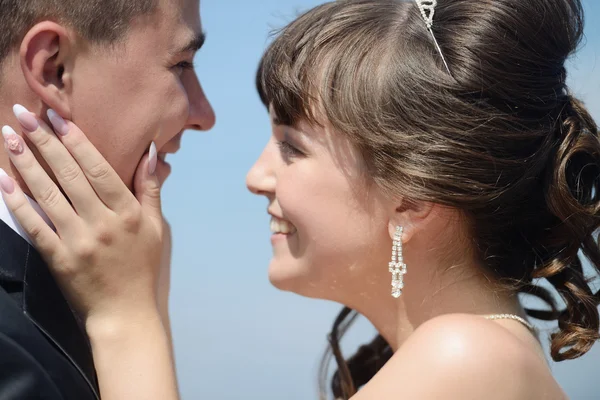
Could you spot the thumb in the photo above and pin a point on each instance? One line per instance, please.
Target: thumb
(147, 186)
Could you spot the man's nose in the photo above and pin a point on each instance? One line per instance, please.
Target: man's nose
(201, 114)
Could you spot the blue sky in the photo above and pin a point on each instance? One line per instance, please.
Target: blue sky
(235, 336)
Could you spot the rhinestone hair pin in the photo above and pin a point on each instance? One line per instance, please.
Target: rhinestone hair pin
(427, 8)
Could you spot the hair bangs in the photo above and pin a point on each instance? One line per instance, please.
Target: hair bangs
(324, 65)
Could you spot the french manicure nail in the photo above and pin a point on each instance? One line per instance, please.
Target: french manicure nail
(59, 124)
(152, 159)
(27, 120)
(12, 140)
(7, 184)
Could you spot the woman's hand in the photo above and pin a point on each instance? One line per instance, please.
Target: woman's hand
(106, 250)
(105, 254)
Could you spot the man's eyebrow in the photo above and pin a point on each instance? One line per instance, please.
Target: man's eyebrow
(194, 44)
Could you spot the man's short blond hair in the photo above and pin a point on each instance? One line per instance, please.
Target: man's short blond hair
(99, 21)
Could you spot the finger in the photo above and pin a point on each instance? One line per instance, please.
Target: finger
(61, 162)
(161, 171)
(147, 188)
(43, 189)
(39, 232)
(103, 178)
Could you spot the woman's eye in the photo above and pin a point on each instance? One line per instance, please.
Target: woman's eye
(287, 150)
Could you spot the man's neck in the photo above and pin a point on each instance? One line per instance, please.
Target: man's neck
(9, 219)
(9, 169)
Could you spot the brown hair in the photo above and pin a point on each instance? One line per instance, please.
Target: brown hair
(499, 138)
(99, 21)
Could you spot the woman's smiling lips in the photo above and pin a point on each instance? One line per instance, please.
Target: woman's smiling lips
(281, 228)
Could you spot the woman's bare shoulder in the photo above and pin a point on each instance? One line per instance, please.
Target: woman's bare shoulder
(463, 356)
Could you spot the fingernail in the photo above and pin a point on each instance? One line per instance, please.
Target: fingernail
(12, 140)
(27, 120)
(59, 124)
(152, 159)
(7, 184)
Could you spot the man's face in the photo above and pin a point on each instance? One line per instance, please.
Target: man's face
(144, 89)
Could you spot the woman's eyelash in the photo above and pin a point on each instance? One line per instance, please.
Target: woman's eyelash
(288, 150)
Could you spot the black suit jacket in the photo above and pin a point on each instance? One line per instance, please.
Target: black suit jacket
(44, 354)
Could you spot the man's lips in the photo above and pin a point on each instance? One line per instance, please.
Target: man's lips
(162, 154)
(172, 146)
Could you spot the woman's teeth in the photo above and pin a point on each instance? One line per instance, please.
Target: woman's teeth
(282, 226)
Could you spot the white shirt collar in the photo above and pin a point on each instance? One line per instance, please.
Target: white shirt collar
(9, 219)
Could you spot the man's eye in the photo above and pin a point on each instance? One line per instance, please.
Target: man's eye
(184, 66)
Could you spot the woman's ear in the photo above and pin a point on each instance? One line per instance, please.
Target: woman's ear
(412, 216)
(46, 56)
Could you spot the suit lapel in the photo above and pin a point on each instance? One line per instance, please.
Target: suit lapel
(42, 302)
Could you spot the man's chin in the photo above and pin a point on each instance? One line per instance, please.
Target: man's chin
(163, 171)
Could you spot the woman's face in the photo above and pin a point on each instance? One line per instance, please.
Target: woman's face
(329, 227)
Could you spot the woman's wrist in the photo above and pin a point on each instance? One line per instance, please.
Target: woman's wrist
(122, 344)
(120, 327)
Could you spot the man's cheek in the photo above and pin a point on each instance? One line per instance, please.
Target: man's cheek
(125, 167)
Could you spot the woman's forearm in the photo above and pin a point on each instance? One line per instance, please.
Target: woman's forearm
(133, 358)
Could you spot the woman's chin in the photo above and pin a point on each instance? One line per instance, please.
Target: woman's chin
(299, 280)
(282, 278)
(287, 277)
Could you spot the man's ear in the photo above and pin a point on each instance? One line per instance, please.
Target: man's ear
(46, 56)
